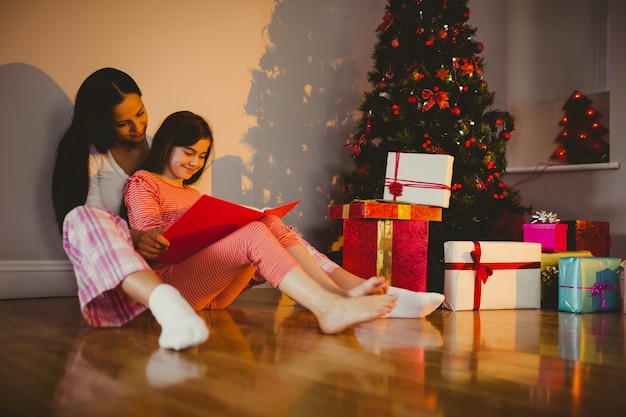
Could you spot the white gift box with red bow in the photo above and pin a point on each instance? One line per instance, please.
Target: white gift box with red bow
(494, 275)
(418, 178)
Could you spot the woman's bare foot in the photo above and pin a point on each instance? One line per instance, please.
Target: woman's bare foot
(371, 286)
(347, 311)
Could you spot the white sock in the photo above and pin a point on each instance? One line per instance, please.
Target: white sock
(412, 304)
(167, 368)
(181, 327)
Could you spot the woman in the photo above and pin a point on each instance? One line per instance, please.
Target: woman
(105, 142)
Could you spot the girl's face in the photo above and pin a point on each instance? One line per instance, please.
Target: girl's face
(130, 119)
(187, 160)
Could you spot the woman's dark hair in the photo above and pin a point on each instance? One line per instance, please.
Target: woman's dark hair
(91, 125)
(182, 128)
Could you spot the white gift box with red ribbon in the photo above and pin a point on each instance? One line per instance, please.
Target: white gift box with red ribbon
(494, 275)
(418, 178)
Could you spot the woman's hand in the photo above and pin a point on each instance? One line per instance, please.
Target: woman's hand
(150, 244)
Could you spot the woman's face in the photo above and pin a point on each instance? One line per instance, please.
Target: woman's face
(130, 119)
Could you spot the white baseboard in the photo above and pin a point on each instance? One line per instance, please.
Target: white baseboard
(37, 279)
(42, 279)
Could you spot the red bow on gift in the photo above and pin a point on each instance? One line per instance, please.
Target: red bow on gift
(440, 98)
(356, 145)
(483, 272)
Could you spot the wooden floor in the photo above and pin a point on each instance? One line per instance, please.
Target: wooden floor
(265, 357)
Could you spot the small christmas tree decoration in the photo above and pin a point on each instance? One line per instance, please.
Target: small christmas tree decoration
(580, 140)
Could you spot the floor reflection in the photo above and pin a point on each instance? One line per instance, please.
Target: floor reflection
(271, 360)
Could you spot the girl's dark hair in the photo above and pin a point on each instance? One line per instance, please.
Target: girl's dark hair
(91, 125)
(182, 128)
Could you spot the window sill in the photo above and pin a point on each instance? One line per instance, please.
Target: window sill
(546, 167)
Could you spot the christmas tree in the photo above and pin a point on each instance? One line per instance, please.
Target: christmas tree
(581, 137)
(429, 96)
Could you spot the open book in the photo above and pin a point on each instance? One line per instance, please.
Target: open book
(209, 220)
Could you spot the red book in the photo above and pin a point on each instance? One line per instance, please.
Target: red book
(209, 220)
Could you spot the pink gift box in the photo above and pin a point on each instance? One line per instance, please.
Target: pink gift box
(552, 236)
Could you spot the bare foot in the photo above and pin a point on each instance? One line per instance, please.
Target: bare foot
(347, 311)
(371, 286)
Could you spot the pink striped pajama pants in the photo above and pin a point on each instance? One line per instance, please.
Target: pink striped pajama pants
(213, 277)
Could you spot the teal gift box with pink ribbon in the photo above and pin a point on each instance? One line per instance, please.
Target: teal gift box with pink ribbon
(588, 285)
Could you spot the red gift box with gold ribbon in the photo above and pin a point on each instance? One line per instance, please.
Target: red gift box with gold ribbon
(492, 275)
(387, 239)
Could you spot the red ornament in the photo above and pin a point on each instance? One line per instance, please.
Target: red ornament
(412, 99)
(382, 85)
(505, 134)
(479, 47)
(395, 43)
(456, 110)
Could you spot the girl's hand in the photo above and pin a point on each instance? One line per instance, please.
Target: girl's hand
(150, 244)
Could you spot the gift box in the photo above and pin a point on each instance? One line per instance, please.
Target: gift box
(394, 249)
(552, 236)
(550, 275)
(589, 235)
(418, 178)
(492, 275)
(374, 209)
(387, 239)
(589, 285)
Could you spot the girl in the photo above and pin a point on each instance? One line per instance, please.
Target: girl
(213, 277)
